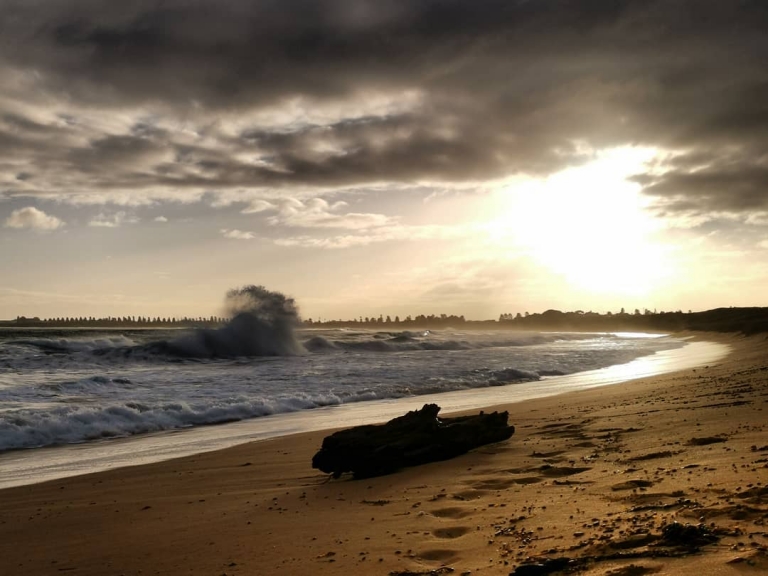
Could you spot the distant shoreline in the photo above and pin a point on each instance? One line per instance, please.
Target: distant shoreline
(746, 321)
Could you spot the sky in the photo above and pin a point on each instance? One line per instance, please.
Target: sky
(383, 156)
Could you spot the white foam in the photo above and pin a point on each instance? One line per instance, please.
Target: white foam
(29, 466)
(72, 398)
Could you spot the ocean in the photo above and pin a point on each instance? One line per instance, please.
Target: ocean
(92, 388)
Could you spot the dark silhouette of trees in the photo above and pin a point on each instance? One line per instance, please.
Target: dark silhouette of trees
(746, 320)
(118, 322)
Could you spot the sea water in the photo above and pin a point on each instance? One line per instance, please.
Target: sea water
(74, 386)
(74, 401)
(80, 400)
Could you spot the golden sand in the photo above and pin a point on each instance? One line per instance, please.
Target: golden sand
(591, 476)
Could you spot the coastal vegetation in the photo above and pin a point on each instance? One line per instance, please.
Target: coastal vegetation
(745, 320)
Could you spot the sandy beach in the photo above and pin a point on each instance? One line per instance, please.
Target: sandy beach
(589, 483)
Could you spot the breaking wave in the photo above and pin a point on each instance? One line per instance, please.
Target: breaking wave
(251, 334)
(75, 345)
(429, 340)
(74, 423)
(66, 425)
(263, 324)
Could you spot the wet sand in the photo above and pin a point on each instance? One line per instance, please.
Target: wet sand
(591, 480)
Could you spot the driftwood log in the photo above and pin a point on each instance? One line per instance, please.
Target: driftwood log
(416, 438)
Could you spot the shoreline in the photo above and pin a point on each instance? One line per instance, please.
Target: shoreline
(592, 477)
(49, 463)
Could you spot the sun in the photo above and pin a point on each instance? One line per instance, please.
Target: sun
(589, 224)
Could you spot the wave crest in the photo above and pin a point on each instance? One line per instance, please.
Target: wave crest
(263, 324)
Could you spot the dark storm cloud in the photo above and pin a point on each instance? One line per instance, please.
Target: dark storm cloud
(503, 87)
(16, 123)
(739, 184)
(114, 151)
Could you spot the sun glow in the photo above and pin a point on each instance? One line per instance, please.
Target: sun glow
(588, 224)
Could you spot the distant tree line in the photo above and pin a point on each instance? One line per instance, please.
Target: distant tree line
(432, 320)
(119, 321)
(745, 320)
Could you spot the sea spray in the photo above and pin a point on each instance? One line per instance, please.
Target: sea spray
(263, 324)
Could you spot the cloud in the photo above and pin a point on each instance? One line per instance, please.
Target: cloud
(258, 206)
(705, 183)
(391, 233)
(237, 234)
(113, 101)
(31, 217)
(319, 213)
(112, 220)
(758, 218)
(160, 219)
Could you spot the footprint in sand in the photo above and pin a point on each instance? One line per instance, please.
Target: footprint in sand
(514, 470)
(450, 533)
(470, 494)
(634, 570)
(755, 495)
(564, 431)
(652, 499)
(632, 484)
(560, 471)
(439, 555)
(568, 482)
(754, 562)
(547, 454)
(544, 472)
(706, 441)
(504, 483)
(652, 456)
(739, 512)
(453, 513)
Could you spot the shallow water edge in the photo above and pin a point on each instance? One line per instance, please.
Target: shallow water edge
(40, 465)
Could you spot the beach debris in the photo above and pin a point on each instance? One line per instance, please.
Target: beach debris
(375, 502)
(687, 535)
(416, 438)
(675, 540)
